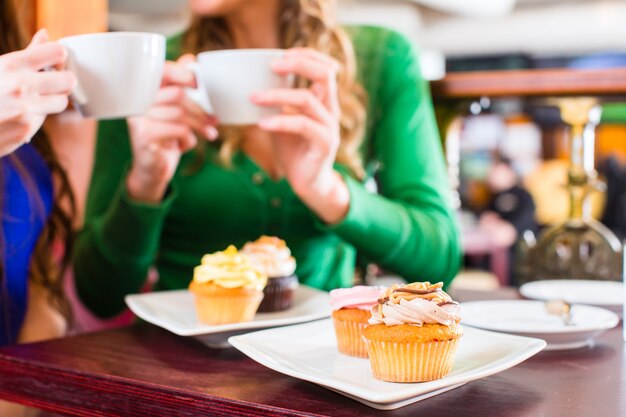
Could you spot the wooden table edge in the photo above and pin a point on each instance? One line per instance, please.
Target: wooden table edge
(61, 379)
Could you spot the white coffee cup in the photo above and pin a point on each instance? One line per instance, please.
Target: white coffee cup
(119, 73)
(226, 79)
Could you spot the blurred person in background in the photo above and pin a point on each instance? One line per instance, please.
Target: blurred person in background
(614, 213)
(510, 211)
(173, 185)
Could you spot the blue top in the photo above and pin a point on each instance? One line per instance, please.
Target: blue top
(23, 218)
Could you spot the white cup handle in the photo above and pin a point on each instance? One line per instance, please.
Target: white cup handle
(78, 95)
(199, 94)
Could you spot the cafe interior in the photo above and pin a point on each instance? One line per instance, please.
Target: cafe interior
(417, 207)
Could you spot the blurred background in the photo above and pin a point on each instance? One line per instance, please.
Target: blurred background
(508, 153)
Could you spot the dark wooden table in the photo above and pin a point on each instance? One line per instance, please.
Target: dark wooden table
(145, 371)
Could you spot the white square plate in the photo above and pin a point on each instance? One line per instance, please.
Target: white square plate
(175, 311)
(309, 352)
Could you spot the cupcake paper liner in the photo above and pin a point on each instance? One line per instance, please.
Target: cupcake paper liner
(411, 362)
(279, 294)
(221, 309)
(350, 337)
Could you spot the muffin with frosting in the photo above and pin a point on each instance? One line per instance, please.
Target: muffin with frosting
(271, 256)
(413, 333)
(227, 288)
(351, 312)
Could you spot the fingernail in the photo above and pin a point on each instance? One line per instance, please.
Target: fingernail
(43, 34)
(211, 132)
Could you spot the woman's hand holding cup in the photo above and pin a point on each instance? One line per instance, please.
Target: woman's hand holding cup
(28, 93)
(165, 133)
(307, 134)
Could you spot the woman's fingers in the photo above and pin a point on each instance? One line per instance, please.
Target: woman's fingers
(313, 54)
(36, 57)
(318, 68)
(53, 82)
(164, 133)
(183, 110)
(308, 63)
(186, 59)
(305, 67)
(180, 74)
(48, 104)
(170, 94)
(9, 113)
(202, 124)
(40, 37)
(166, 113)
(297, 125)
(301, 99)
(194, 108)
(176, 95)
(176, 77)
(162, 129)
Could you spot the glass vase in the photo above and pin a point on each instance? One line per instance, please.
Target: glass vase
(580, 247)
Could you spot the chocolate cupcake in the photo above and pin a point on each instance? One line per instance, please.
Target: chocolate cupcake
(271, 256)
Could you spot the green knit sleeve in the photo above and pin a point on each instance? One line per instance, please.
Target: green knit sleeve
(120, 238)
(408, 227)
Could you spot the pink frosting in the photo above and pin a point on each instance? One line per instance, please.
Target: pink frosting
(361, 297)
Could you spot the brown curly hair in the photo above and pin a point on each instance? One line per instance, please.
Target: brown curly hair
(45, 270)
(309, 23)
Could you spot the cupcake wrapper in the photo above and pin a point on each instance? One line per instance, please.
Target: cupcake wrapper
(227, 309)
(411, 362)
(350, 337)
(278, 294)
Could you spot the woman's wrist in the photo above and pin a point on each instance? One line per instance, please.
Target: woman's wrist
(144, 188)
(328, 198)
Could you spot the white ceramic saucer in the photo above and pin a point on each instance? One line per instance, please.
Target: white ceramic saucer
(531, 319)
(605, 294)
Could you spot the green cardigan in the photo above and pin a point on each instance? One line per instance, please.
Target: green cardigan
(408, 228)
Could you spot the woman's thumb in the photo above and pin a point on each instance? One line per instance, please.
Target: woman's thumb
(39, 38)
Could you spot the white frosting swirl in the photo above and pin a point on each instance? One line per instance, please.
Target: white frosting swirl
(416, 312)
(271, 256)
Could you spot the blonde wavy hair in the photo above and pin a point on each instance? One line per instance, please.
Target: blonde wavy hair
(302, 23)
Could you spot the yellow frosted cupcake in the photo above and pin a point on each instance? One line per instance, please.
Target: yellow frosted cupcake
(351, 312)
(227, 288)
(413, 333)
